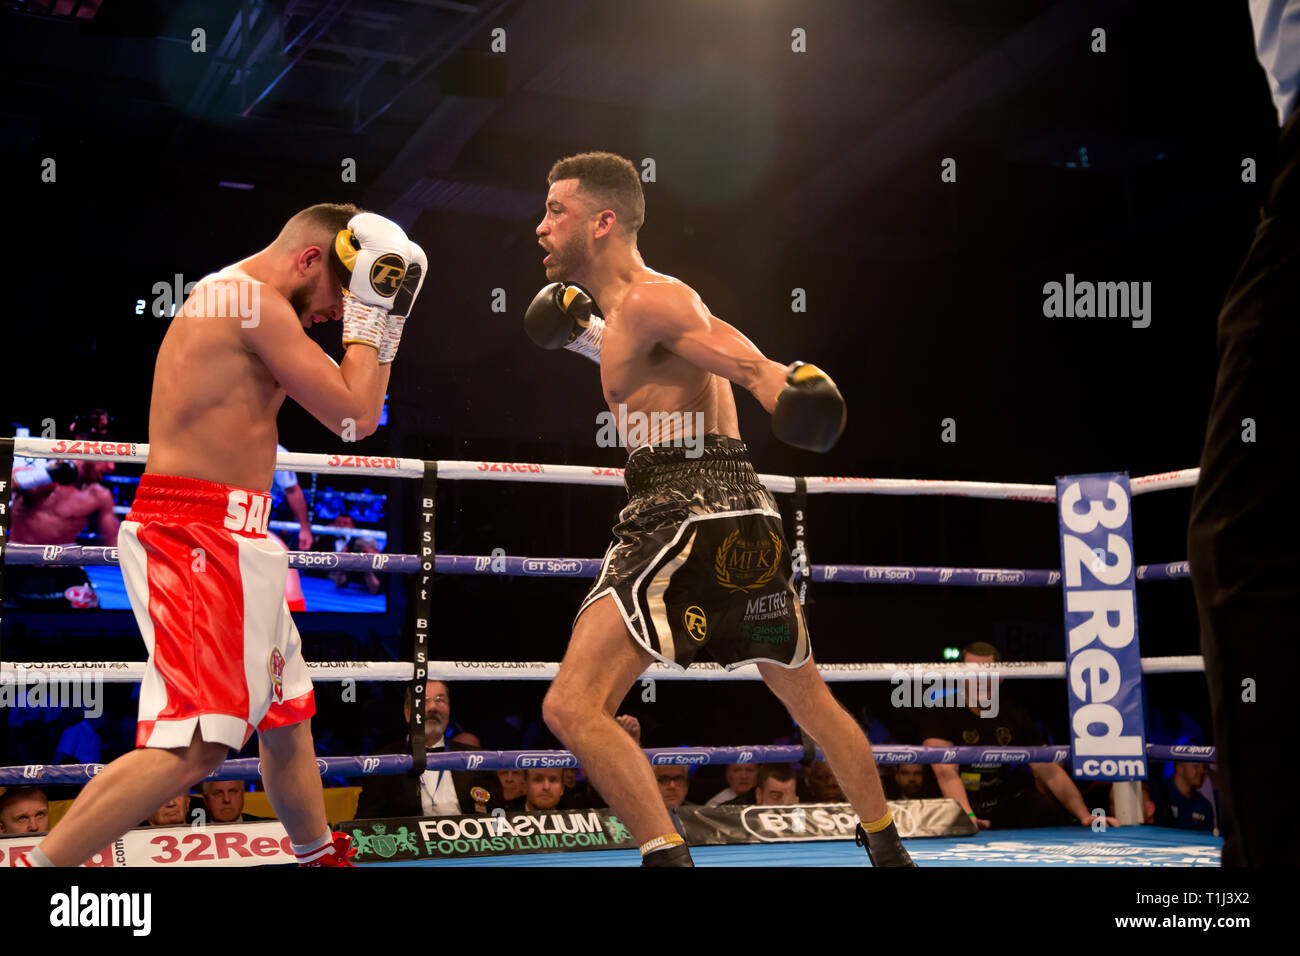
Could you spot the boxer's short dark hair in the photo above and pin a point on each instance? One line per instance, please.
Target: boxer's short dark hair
(608, 179)
(559, 770)
(982, 649)
(774, 771)
(330, 216)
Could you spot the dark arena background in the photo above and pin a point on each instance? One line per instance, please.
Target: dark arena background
(881, 188)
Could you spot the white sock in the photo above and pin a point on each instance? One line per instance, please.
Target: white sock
(308, 851)
(36, 858)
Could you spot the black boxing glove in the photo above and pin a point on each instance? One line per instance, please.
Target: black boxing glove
(810, 412)
(560, 317)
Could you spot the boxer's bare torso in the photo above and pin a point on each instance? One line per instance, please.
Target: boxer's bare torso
(214, 404)
(640, 372)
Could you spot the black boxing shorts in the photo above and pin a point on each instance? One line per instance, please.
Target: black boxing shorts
(699, 565)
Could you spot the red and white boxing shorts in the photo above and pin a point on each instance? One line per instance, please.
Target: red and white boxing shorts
(207, 588)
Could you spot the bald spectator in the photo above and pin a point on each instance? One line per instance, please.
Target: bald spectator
(24, 810)
(741, 778)
(223, 802)
(172, 813)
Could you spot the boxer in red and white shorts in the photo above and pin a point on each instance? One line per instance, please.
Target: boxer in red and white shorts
(205, 580)
(206, 583)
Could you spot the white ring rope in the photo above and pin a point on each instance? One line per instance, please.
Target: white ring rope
(128, 672)
(390, 467)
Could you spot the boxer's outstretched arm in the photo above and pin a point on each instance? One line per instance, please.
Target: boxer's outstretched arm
(678, 319)
(334, 394)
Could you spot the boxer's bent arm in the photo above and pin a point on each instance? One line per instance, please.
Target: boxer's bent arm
(677, 317)
(946, 775)
(334, 394)
(298, 505)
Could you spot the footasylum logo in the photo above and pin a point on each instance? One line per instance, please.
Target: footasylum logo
(78, 909)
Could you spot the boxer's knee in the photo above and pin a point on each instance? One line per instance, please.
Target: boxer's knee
(566, 711)
(557, 711)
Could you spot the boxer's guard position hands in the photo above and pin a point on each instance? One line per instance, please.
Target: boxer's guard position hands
(206, 585)
(699, 558)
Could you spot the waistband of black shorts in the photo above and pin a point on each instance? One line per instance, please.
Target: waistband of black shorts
(721, 460)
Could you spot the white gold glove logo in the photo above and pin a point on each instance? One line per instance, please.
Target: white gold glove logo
(387, 273)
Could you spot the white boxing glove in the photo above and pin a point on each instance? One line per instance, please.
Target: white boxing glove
(417, 265)
(372, 257)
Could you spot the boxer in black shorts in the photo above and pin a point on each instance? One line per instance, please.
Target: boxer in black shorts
(700, 560)
(699, 565)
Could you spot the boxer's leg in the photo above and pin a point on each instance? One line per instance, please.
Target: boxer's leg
(810, 702)
(600, 666)
(293, 781)
(125, 792)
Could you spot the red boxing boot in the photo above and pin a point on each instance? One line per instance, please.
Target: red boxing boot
(338, 853)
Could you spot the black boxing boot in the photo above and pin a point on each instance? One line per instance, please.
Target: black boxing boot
(884, 848)
(679, 855)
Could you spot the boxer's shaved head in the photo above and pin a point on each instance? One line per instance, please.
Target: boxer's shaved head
(315, 226)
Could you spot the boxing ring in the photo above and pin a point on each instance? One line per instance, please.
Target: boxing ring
(1069, 846)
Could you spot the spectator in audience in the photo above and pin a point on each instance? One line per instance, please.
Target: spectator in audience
(674, 784)
(172, 813)
(775, 785)
(543, 791)
(80, 743)
(24, 810)
(741, 778)
(223, 802)
(909, 782)
(512, 784)
(1000, 795)
(285, 487)
(355, 545)
(1178, 800)
(434, 792)
(822, 785)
